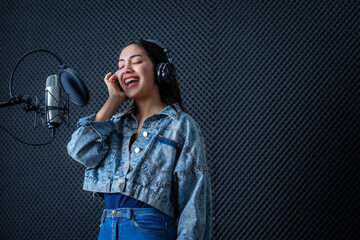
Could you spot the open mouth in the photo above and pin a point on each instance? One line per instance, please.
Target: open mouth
(130, 81)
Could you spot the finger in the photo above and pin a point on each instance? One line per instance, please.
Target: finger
(112, 78)
(107, 76)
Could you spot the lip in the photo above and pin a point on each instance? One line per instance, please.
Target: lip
(124, 79)
(131, 85)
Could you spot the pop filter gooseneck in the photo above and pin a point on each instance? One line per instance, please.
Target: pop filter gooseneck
(18, 63)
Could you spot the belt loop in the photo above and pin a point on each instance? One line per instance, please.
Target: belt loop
(129, 214)
(103, 216)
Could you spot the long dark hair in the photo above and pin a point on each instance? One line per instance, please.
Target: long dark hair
(168, 94)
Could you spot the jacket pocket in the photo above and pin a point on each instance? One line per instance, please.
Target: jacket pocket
(159, 161)
(113, 143)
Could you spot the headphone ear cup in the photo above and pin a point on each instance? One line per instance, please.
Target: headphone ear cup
(165, 73)
(171, 73)
(158, 73)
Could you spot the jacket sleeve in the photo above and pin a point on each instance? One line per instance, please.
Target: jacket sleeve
(194, 207)
(87, 144)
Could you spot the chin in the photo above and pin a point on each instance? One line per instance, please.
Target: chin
(134, 95)
(131, 96)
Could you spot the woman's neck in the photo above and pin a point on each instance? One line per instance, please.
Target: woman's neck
(148, 107)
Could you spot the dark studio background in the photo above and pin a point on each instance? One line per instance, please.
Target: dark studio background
(274, 86)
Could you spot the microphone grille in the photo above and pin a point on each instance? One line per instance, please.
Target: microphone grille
(52, 81)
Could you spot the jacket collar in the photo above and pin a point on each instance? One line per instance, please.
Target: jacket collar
(168, 111)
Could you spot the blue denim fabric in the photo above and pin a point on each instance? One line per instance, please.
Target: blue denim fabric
(119, 200)
(136, 224)
(166, 166)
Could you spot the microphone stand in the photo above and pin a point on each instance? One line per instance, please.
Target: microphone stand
(29, 108)
(19, 100)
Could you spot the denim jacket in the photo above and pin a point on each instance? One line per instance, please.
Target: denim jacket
(166, 166)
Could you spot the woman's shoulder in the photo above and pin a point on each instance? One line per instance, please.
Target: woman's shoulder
(187, 122)
(186, 118)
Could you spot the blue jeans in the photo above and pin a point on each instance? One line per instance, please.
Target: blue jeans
(136, 223)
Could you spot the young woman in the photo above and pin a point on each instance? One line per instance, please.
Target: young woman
(149, 162)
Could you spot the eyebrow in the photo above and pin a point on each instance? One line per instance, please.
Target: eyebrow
(137, 55)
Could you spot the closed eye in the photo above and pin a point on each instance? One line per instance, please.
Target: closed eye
(121, 67)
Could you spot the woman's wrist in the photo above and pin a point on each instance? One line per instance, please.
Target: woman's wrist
(115, 101)
(109, 109)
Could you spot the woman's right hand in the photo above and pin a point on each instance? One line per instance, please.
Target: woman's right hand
(115, 94)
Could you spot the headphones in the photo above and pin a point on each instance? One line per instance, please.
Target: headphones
(165, 72)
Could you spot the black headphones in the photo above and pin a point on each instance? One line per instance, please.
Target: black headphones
(165, 72)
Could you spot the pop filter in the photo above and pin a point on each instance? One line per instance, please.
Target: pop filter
(74, 86)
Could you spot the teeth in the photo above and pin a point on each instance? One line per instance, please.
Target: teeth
(127, 81)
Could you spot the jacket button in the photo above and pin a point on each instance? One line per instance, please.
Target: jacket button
(130, 169)
(145, 133)
(137, 150)
(120, 185)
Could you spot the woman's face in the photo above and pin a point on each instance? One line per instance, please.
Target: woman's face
(136, 73)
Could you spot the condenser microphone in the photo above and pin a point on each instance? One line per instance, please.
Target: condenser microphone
(52, 101)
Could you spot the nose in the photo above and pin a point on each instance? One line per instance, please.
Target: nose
(127, 68)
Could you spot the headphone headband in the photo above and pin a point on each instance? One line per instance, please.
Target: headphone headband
(162, 46)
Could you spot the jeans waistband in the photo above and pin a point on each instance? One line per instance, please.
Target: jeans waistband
(130, 212)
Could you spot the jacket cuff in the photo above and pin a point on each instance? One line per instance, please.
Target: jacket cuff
(85, 121)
